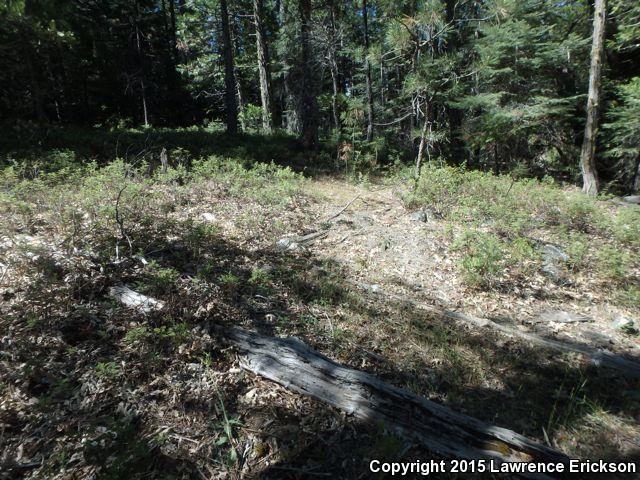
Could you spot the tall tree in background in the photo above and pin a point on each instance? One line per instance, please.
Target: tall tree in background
(493, 84)
(287, 47)
(229, 74)
(367, 71)
(328, 37)
(263, 67)
(587, 156)
(141, 73)
(172, 16)
(308, 108)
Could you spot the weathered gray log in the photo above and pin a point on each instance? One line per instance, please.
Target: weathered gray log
(135, 300)
(297, 367)
(597, 356)
(293, 243)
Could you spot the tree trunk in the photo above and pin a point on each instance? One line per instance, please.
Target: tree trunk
(143, 90)
(263, 68)
(333, 68)
(367, 68)
(238, 83)
(289, 117)
(307, 99)
(239, 98)
(454, 115)
(229, 74)
(172, 14)
(587, 156)
(423, 136)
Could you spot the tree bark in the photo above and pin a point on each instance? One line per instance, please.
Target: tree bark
(423, 136)
(172, 14)
(587, 156)
(635, 184)
(367, 68)
(229, 74)
(454, 115)
(289, 117)
(143, 90)
(263, 68)
(333, 68)
(238, 83)
(307, 98)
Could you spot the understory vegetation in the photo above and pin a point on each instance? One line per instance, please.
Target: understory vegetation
(116, 393)
(442, 194)
(499, 224)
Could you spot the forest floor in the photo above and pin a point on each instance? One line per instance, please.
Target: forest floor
(92, 389)
(408, 253)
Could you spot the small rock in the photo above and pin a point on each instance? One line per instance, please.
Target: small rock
(208, 217)
(556, 273)
(624, 323)
(598, 339)
(552, 253)
(287, 244)
(632, 199)
(419, 216)
(284, 243)
(553, 259)
(425, 215)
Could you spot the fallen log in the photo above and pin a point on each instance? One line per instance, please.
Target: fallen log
(597, 356)
(297, 367)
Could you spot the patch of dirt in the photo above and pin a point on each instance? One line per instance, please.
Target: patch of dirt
(385, 245)
(91, 389)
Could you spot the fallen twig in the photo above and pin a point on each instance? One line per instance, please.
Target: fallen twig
(342, 210)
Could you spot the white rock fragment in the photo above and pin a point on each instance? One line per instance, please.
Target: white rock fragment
(135, 300)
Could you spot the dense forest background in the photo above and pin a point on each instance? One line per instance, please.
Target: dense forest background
(203, 201)
(497, 85)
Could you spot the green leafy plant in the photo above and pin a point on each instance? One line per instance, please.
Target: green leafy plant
(482, 257)
(107, 370)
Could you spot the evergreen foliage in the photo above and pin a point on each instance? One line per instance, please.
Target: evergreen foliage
(495, 85)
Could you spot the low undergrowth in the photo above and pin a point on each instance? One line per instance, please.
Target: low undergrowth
(499, 226)
(92, 388)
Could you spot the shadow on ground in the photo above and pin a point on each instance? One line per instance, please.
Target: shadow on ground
(108, 391)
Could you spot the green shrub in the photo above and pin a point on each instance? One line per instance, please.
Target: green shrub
(107, 370)
(230, 280)
(626, 226)
(522, 256)
(628, 296)
(482, 259)
(159, 280)
(614, 263)
(175, 334)
(136, 334)
(260, 279)
(581, 213)
(576, 249)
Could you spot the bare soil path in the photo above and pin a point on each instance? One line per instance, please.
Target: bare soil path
(405, 253)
